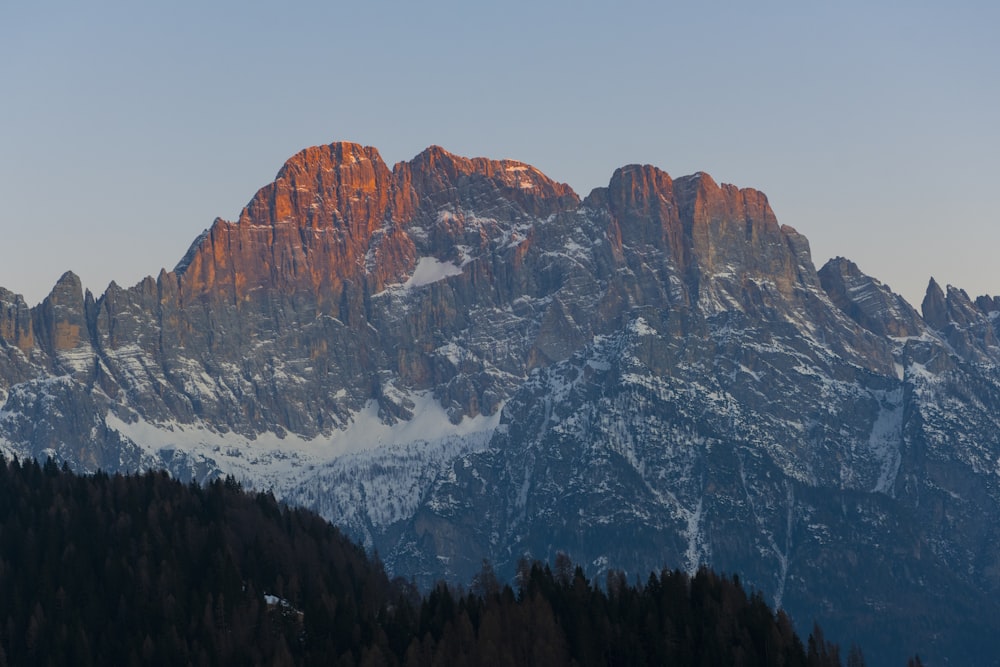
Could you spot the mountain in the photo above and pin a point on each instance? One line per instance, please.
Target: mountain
(459, 358)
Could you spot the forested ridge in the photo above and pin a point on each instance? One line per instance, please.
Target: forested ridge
(113, 569)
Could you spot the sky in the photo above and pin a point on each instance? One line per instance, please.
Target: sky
(126, 128)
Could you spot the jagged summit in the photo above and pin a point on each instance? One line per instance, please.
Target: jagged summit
(324, 186)
(867, 301)
(933, 306)
(988, 304)
(337, 214)
(969, 327)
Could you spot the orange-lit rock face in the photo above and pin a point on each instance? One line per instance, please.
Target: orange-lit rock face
(734, 228)
(66, 336)
(337, 224)
(15, 321)
(336, 214)
(641, 199)
(706, 230)
(342, 187)
(304, 232)
(60, 320)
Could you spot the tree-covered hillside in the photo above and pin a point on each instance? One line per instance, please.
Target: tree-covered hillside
(144, 570)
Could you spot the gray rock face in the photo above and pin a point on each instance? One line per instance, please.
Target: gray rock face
(458, 358)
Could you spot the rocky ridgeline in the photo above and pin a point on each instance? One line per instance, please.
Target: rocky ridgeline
(458, 359)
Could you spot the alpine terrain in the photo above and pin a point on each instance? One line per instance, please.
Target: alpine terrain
(457, 359)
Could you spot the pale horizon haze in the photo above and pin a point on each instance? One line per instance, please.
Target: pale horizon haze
(126, 128)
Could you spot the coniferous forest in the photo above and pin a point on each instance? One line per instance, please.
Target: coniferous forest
(143, 570)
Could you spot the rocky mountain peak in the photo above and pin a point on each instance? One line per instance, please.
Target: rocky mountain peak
(867, 301)
(640, 199)
(708, 203)
(68, 287)
(933, 307)
(15, 321)
(966, 326)
(308, 231)
(511, 188)
(963, 312)
(336, 214)
(340, 186)
(639, 190)
(724, 243)
(338, 154)
(60, 321)
(988, 304)
(435, 159)
(703, 211)
(508, 173)
(949, 307)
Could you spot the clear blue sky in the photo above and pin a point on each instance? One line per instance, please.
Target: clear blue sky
(872, 126)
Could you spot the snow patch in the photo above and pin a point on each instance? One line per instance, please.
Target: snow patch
(885, 438)
(697, 549)
(80, 359)
(431, 270)
(640, 327)
(283, 460)
(428, 270)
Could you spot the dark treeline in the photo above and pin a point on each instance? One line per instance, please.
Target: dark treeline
(111, 569)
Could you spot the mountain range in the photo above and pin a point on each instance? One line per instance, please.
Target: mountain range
(457, 359)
